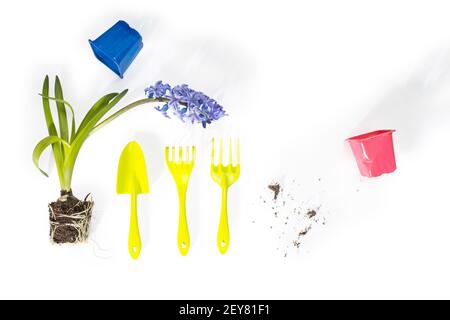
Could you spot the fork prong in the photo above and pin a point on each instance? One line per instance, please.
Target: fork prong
(180, 154)
(230, 152)
(167, 154)
(173, 154)
(221, 151)
(238, 144)
(188, 155)
(193, 154)
(212, 153)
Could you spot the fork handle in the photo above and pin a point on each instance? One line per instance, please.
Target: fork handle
(183, 230)
(223, 236)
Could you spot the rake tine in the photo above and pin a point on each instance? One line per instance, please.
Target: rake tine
(238, 152)
(212, 154)
(167, 153)
(221, 151)
(230, 153)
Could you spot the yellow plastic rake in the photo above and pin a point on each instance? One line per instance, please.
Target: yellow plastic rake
(181, 171)
(225, 176)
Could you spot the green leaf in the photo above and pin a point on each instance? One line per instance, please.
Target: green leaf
(101, 108)
(47, 112)
(57, 152)
(94, 109)
(62, 116)
(74, 128)
(42, 145)
(71, 111)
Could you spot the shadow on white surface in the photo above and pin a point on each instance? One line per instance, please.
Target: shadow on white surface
(153, 149)
(411, 107)
(217, 68)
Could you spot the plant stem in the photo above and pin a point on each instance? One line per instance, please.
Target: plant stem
(66, 177)
(125, 109)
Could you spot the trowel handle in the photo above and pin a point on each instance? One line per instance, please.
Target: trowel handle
(183, 230)
(134, 239)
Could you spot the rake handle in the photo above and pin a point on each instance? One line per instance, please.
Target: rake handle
(223, 236)
(183, 230)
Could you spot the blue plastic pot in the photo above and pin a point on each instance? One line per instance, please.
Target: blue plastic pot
(118, 47)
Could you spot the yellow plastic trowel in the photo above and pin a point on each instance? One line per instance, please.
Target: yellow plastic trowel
(132, 180)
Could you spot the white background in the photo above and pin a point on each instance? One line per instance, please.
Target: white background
(297, 78)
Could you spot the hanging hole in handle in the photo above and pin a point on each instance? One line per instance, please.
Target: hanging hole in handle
(134, 249)
(222, 243)
(183, 245)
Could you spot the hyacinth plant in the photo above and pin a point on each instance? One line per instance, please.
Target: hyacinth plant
(181, 101)
(69, 216)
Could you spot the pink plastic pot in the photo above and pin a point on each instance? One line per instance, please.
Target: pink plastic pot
(374, 152)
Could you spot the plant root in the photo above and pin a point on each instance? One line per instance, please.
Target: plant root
(70, 219)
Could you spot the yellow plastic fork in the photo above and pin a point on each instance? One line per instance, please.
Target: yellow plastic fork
(225, 176)
(181, 171)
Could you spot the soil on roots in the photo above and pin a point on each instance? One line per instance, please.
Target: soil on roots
(69, 219)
